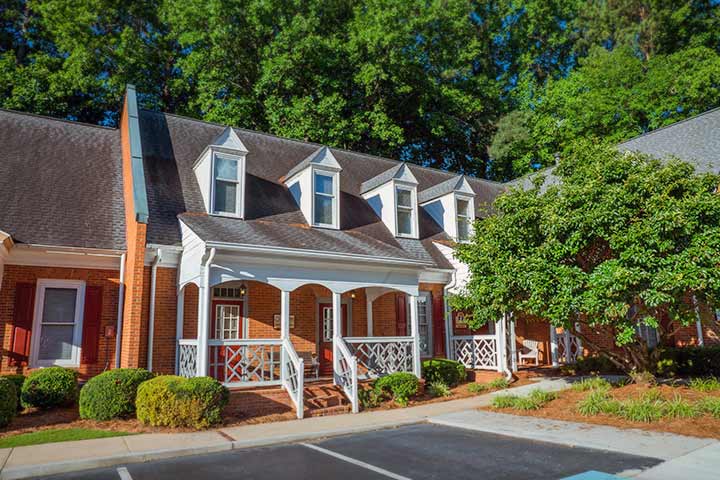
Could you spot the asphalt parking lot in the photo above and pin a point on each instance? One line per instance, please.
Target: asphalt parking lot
(415, 452)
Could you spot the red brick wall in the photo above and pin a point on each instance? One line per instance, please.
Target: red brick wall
(530, 329)
(107, 279)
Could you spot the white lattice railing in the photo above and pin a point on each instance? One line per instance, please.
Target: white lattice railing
(378, 356)
(187, 358)
(476, 351)
(569, 347)
(245, 362)
(293, 375)
(346, 371)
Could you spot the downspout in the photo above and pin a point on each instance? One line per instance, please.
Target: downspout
(448, 314)
(151, 321)
(202, 334)
(698, 323)
(503, 335)
(121, 305)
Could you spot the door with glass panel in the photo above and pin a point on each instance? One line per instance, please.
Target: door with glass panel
(226, 325)
(425, 324)
(325, 315)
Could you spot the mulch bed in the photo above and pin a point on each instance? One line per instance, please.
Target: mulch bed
(565, 408)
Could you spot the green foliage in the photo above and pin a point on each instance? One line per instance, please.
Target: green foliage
(112, 394)
(478, 387)
(56, 435)
(646, 410)
(504, 401)
(595, 402)
(591, 365)
(709, 384)
(369, 398)
(689, 361)
(8, 401)
(18, 380)
(592, 383)
(679, 408)
(499, 383)
(449, 372)
(400, 386)
(622, 240)
(710, 405)
(439, 389)
(172, 401)
(534, 401)
(50, 387)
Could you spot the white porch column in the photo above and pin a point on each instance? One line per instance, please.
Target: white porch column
(369, 316)
(284, 329)
(513, 346)
(202, 333)
(554, 346)
(499, 345)
(337, 329)
(179, 325)
(698, 322)
(415, 332)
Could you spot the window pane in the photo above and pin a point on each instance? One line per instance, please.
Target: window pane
(323, 184)
(404, 198)
(56, 342)
(59, 305)
(462, 208)
(323, 210)
(225, 196)
(225, 168)
(404, 222)
(463, 229)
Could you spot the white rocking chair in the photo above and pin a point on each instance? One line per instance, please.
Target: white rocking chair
(530, 349)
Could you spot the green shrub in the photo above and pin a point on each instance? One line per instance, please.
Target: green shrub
(499, 383)
(504, 401)
(50, 387)
(710, 405)
(400, 386)
(439, 389)
(679, 408)
(449, 372)
(641, 410)
(708, 384)
(542, 396)
(369, 398)
(8, 401)
(689, 362)
(592, 365)
(172, 401)
(112, 394)
(591, 383)
(17, 380)
(594, 403)
(478, 387)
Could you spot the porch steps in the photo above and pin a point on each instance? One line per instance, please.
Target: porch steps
(325, 399)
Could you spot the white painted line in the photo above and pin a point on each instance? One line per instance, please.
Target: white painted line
(124, 474)
(375, 469)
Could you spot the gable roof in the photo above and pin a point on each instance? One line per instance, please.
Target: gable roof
(398, 172)
(60, 182)
(457, 184)
(695, 140)
(322, 157)
(171, 144)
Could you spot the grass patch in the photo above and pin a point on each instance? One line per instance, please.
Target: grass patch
(477, 388)
(597, 402)
(504, 401)
(592, 383)
(536, 400)
(710, 405)
(439, 389)
(56, 435)
(708, 384)
(499, 383)
(679, 408)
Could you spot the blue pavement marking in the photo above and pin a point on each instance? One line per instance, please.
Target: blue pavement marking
(592, 475)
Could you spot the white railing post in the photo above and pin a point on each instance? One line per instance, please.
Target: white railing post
(354, 400)
(284, 330)
(554, 346)
(300, 388)
(498, 345)
(513, 346)
(415, 333)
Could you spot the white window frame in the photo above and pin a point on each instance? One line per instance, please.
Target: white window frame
(42, 285)
(335, 196)
(239, 183)
(412, 209)
(221, 328)
(645, 331)
(468, 217)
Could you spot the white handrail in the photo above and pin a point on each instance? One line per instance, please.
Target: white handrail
(474, 337)
(377, 339)
(294, 381)
(246, 341)
(347, 377)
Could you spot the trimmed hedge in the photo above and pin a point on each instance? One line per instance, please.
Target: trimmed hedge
(400, 385)
(18, 380)
(449, 372)
(50, 387)
(8, 401)
(172, 401)
(112, 394)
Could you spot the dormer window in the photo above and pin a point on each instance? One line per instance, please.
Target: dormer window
(405, 211)
(226, 184)
(452, 205)
(324, 204)
(463, 219)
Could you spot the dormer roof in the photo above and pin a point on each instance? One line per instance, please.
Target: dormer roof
(399, 172)
(230, 140)
(321, 157)
(457, 184)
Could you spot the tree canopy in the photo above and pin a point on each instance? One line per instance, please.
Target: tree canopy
(488, 87)
(623, 240)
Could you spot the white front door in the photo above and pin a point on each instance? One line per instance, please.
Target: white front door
(425, 324)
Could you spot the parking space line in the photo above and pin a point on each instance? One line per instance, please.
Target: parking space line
(124, 474)
(359, 463)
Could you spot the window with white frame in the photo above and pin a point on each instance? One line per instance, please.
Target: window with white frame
(57, 326)
(462, 207)
(324, 210)
(226, 184)
(648, 333)
(405, 210)
(227, 322)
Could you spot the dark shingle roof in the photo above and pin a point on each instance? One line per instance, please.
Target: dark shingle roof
(171, 144)
(695, 140)
(380, 179)
(60, 182)
(448, 186)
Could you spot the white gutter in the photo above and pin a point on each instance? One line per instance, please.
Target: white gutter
(202, 335)
(502, 338)
(698, 323)
(121, 304)
(448, 314)
(151, 322)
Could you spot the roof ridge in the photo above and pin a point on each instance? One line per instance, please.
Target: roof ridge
(664, 127)
(305, 142)
(55, 119)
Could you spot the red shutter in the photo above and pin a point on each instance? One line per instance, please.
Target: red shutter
(22, 323)
(91, 324)
(438, 315)
(401, 315)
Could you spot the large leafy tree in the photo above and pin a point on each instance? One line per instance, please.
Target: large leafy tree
(622, 240)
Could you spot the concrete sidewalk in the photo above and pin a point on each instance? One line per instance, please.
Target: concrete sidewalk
(24, 462)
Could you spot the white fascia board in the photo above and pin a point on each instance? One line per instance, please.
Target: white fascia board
(170, 255)
(65, 257)
(462, 270)
(190, 267)
(436, 275)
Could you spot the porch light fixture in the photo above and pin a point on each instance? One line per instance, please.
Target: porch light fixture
(243, 290)
(352, 295)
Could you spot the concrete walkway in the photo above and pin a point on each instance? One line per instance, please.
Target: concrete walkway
(46, 459)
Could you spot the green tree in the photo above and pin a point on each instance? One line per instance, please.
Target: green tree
(623, 240)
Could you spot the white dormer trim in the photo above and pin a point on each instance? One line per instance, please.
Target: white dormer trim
(444, 209)
(383, 199)
(302, 183)
(226, 146)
